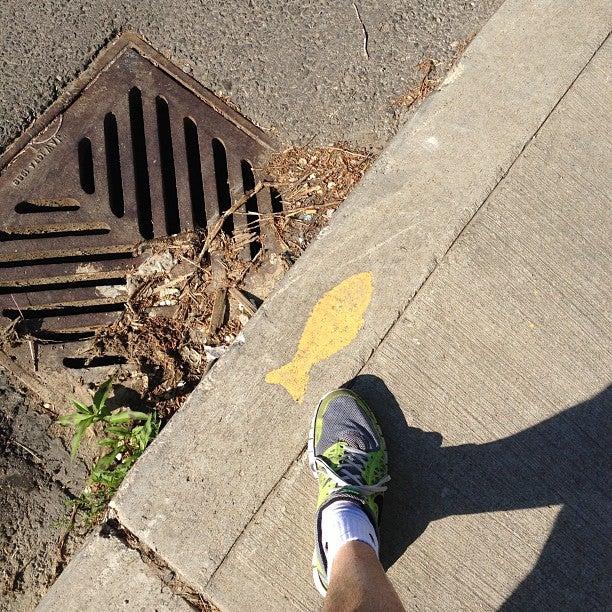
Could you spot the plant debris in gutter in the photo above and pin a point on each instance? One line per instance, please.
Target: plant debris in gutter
(193, 294)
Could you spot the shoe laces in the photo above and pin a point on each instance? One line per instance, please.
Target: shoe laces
(350, 470)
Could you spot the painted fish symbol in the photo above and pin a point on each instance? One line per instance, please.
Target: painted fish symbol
(332, 325)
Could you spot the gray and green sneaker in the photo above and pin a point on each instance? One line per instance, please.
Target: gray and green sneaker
(348, 457)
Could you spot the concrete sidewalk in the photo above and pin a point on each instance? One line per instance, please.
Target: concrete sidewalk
(484, 228)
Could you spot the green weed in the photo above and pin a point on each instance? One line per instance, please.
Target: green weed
(126, 434)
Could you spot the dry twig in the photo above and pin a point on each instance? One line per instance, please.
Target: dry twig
(221, 220)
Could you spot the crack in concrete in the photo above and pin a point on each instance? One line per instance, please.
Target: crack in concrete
(366, 53)
(261, 505)
(112, 528)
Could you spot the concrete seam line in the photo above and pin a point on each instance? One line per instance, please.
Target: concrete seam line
(256, 512)
(435, 265)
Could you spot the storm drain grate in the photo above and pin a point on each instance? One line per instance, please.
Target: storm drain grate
(135, 150)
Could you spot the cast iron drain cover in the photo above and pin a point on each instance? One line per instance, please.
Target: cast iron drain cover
(135, 149)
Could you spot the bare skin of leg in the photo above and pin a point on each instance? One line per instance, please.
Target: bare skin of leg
(358, 582)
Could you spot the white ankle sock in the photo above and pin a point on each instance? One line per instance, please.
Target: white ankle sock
(341, 522)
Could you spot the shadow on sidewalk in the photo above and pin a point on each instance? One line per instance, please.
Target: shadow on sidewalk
(562, 461)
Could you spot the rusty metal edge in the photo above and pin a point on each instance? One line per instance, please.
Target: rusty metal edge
(206, 95)
(105, 58)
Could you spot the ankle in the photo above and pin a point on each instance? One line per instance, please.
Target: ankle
(345, 521)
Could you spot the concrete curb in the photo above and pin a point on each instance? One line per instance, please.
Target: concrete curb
(195, 491)
(106, 575)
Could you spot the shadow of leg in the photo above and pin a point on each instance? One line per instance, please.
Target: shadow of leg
(562, 460)
(568, 574)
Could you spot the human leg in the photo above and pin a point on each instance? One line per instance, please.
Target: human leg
(358, 582)
(347, 455)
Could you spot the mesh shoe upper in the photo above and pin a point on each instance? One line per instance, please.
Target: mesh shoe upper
(345, 421)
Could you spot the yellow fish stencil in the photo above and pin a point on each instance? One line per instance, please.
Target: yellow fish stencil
(333, 324)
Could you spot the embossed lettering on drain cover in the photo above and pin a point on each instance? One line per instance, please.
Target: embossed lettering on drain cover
(135, 150)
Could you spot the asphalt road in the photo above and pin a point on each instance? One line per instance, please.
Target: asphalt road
(296, 67)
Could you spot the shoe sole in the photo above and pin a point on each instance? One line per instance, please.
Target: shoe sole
(316, 577)
(311, 434)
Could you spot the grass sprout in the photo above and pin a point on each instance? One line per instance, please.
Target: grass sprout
(125, 436)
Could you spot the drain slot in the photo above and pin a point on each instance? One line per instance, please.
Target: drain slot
(194, 171)
(113, 166)
(68, 335)
(13, 260)
(53, 231)
(277, 202)
(43, 205)
(141, 167)
(63, 282)
(86, 166)
(80, 363)
(224, 198)
(252, 212)
(68, 308)
(168, 174)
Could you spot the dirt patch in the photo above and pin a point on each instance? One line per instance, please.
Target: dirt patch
(431, 78)
(312, 183)
(37, 478)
